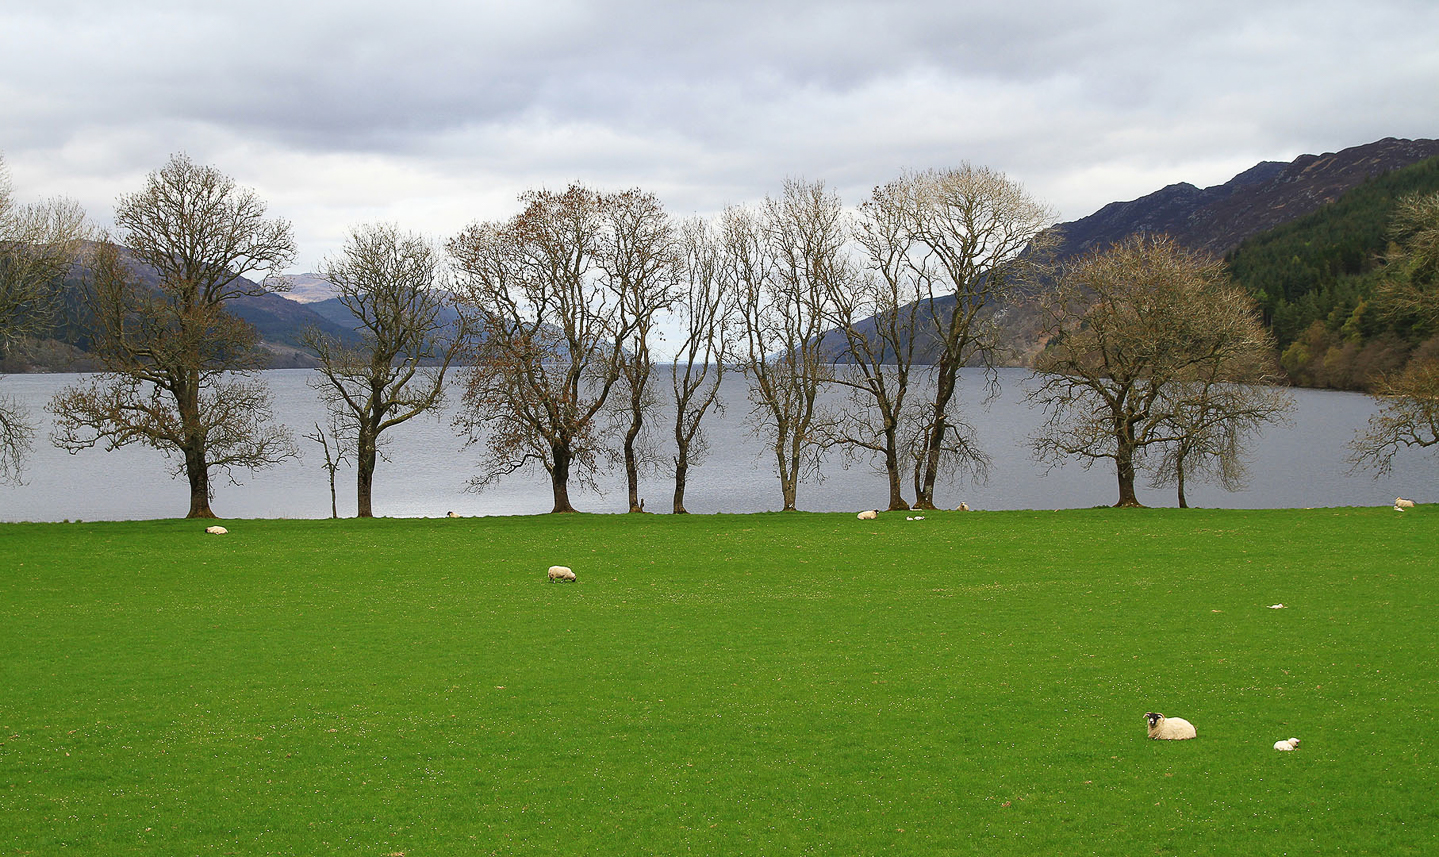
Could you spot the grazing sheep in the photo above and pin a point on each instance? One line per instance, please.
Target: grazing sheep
(560, 572)
(216, 530)
(1163, 728)
(1401, 503)
(1290, 744)
(869, 515)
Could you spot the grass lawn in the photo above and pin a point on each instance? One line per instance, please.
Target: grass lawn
(728, 685)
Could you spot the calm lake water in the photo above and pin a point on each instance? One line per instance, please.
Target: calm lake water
(1297, 466)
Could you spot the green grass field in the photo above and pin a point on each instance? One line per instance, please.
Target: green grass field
(728, 685)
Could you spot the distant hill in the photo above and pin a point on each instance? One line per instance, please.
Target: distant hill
(279, 322)
(309, 288)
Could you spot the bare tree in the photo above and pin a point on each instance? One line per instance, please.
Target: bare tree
(1408, 417)
(334, 438)
(551, 337)
(176, 364)
(388, 280)
(39, 243)
(641, 262)
(1151, 342)
(973, 237)
(703, 307)
(1411, 271)
(779, 261)
(1212, 423)
(878, 314)
(1409, 400)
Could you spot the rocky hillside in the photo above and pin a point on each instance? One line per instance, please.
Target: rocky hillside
(1262, 197)
(1217, 219)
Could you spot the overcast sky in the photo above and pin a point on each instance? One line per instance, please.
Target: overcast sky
(437, 113)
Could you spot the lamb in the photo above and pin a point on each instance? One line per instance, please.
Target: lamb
(1163, 728)
(216, 530)
(1401, 503)
(561, 572)
(1289, 744)
(868, 515)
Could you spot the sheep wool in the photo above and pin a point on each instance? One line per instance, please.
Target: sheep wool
(562, 573)
(1401, 503)
(1288, 744)
(1163, 728)
(216, 531)
(868, 515)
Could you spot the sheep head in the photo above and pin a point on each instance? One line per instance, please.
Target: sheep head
(1153, 717)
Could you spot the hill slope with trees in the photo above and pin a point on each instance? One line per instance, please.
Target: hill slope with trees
(1315, 279)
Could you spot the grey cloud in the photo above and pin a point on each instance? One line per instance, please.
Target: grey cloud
(713, 102)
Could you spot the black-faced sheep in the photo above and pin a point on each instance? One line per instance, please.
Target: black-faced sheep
(1163, 728)
(560, 572)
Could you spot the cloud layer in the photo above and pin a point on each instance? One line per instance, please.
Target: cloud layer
(435, 114)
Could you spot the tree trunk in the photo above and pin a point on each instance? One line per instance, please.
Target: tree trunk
(934, 443)
(199, 476)
(1179, 474)
(632, 469)
(682, 467)
(365, 473)
(197, 468)
(788, 479)
(891, 466)
(560, 480)
(1124, 469)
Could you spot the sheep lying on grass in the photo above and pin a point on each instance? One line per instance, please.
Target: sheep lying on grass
(560, 572)
(216, 530)
(1401, 504)
(1287, 744)
(868, 515)
(1163, 728)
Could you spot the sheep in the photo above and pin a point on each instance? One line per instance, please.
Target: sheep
(1163, 728)
(1289, 744)
(216, 530)
(868, 515)
(1401, 503)
(963, 507)
(451, 515)
(560, 572)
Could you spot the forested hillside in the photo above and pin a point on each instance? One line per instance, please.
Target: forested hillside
(1315, 279)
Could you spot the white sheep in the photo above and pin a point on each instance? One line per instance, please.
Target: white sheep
(451, 515)
(1401, 503)
(216, 530)
(1288, 744)
(1163, 728)
(561, 572)
(868, 515)
(963, 507)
